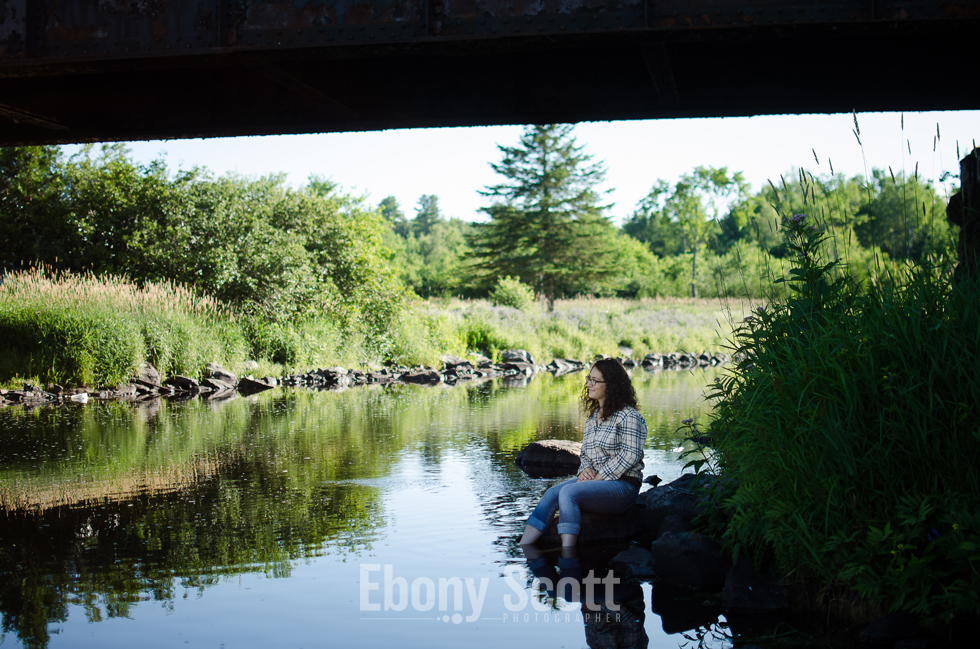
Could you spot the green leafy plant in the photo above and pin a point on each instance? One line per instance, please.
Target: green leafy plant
(509, 291)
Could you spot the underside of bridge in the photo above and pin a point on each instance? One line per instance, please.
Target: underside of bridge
(96, 70)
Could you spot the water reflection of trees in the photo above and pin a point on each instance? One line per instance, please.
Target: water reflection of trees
(107, 556)
(113, 504)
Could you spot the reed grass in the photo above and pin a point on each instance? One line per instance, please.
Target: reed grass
(97, 329)
(850, 428)
(38, 284)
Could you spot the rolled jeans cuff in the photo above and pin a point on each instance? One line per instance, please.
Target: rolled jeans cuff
(569, 528)
(571, 496)
(537, 524)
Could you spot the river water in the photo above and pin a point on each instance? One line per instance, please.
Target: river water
(298, 518)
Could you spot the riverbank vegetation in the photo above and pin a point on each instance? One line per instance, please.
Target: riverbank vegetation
(843, 433)
(63, 327)
(58, 327)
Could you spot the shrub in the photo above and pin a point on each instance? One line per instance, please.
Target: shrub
(480, 336)
(509, 291)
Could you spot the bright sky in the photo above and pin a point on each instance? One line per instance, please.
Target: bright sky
(453, 163)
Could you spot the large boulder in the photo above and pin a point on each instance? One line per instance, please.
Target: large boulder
(560, 366)
(674, 524)
(251, 385)
(676, 498)
(670, 507)
(550, 453)
(422, 377)
(526, 369)
(217, 384)
(689, 559)
(479, 359)
(668, 361)
(215, 371)
(183, 383)
(452, 362)
(334, 377)
(652, 361)
(460, 373)
(126, 390)
(147, 374)
(516, 356)
(687, 360)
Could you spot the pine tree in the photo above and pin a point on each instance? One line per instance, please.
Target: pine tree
(547, 225)
(393, 214)
(427, 216)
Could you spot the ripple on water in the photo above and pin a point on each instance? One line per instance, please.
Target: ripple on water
(250, 524)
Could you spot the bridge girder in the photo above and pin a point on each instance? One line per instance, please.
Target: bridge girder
(97, 70)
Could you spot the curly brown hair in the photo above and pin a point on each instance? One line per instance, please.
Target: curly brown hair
(619, 389)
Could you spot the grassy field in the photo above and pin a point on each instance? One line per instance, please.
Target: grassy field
(578, 328)
(97, 330)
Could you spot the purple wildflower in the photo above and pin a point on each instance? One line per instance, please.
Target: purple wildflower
(687, 421)
(797, 219)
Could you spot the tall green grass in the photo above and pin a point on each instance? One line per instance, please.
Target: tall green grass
(851, 429)
(96, 330)
(577, 328)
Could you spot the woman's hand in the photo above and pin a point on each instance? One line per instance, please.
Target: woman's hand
(588, 474)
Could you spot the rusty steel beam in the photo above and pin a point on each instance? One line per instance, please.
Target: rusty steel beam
(90, 70)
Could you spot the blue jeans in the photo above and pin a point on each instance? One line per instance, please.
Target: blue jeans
(572, 496)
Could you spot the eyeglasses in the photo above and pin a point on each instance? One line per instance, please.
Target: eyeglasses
(591, 381)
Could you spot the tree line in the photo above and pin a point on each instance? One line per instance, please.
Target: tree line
(706, 234)
(293, 252)
(256, 243)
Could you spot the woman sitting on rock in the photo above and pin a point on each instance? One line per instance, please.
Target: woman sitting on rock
(611, 463)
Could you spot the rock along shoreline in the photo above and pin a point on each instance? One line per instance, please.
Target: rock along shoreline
(666, 547)
(517, 367)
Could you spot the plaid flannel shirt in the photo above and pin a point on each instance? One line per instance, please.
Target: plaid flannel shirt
(614, 448)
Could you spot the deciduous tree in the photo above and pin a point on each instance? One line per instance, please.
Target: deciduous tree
(696, 203)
